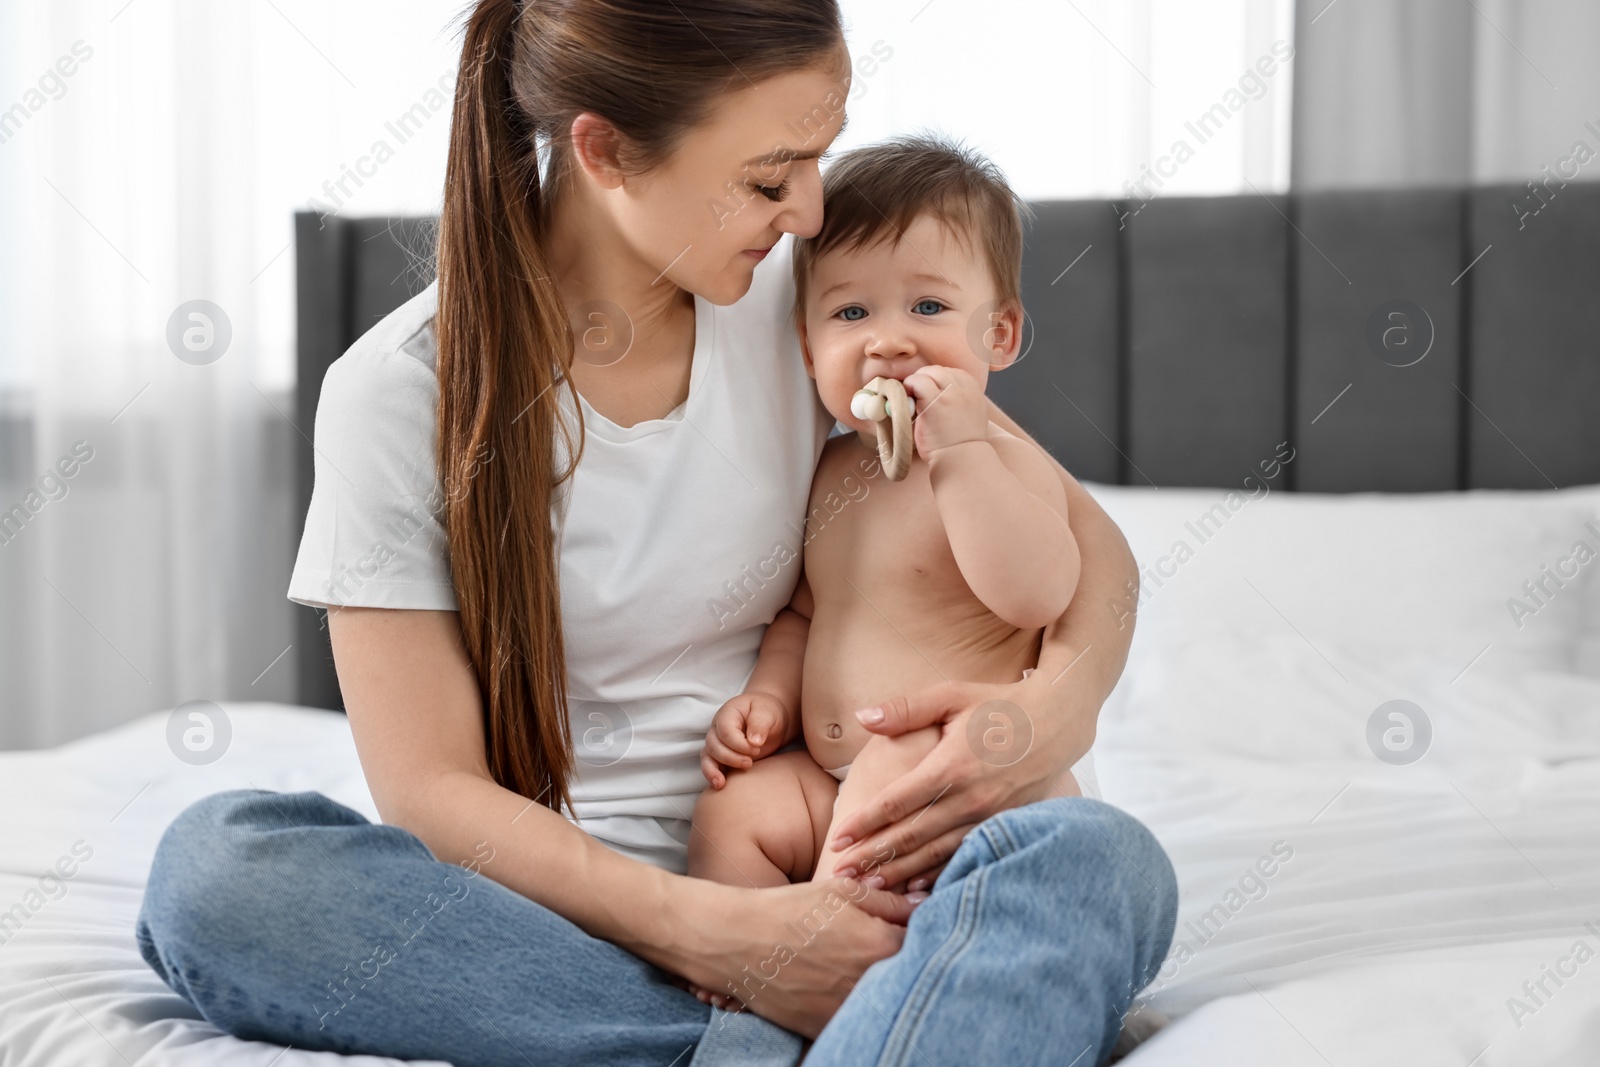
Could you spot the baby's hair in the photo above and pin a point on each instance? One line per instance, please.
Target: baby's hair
(878, 191)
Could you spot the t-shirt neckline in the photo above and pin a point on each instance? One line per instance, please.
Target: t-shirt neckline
(704, 346)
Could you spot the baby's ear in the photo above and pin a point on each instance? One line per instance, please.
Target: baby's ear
(1003, 339)
(805, 347)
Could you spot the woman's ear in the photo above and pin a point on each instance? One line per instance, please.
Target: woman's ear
(1002, 341)
(597, 149)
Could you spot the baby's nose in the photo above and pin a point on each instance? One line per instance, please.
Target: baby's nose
(890, 345)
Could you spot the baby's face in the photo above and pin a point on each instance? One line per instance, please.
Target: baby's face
(885, 310)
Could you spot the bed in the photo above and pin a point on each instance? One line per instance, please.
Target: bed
(1337, 907)
(1378, 778)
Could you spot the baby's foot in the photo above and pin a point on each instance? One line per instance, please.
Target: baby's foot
(713, 998)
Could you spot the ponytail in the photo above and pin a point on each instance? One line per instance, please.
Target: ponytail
(503, 343)
(528, 68)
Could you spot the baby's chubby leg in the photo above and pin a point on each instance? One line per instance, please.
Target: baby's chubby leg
(762, 828)
(881, 762)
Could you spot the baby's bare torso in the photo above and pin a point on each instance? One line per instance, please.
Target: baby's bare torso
(891, 612)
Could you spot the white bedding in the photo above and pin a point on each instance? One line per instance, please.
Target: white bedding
(1417, 900)
(73, 988)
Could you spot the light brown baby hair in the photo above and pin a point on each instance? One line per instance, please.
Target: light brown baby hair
(878, 191)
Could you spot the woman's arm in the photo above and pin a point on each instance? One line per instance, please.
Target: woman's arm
(922, 819)
(415, 711)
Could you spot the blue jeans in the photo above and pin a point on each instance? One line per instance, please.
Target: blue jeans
(292, 919)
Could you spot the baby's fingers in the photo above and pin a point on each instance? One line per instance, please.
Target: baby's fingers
(730, 731)
(727, 757)
(761, 726)
(712, 771)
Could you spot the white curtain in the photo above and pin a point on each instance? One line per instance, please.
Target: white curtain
(152, 153)
(1440, 92)
(1075, 98)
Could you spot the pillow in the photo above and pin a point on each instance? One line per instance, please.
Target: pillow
(1500, 577)
(1273, 625)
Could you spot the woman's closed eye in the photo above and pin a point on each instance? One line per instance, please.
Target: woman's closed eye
(774, 193)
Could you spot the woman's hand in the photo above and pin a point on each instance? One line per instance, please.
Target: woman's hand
(1002, 746)
(789, 954)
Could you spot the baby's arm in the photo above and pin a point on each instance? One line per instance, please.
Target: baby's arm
(1005, 513)
(772, 693)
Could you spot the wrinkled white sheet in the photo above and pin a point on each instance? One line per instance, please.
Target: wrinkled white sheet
(1418, 899)
(73, 988)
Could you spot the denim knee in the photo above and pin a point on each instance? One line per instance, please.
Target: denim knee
(207, 874)
(1090, 835)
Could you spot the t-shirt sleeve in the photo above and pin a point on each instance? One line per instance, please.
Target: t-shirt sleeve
(374, 535)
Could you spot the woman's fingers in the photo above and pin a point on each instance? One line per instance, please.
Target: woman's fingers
(934, 704)
(879, 903)
(917, 796)
(924, 864)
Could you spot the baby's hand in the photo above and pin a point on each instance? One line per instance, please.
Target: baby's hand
(950, 408)
(749, 726)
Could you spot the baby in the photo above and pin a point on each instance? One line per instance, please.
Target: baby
(949, 574)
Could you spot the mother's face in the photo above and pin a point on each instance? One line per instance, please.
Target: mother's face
(737, 182)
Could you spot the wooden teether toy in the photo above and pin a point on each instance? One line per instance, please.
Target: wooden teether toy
(884, 403)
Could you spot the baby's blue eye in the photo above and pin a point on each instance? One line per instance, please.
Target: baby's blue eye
(853, 313)
(928, 307)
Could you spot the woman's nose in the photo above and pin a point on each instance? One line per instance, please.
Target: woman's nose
(802, 214)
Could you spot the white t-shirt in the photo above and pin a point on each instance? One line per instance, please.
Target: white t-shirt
(679, 539)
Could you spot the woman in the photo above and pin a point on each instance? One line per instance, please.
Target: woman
(585, 376)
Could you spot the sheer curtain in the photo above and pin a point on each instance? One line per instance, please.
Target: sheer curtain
(151, 155)
(1439, 92)
(1078, 98)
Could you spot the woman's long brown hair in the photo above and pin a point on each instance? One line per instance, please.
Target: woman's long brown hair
(528, 68)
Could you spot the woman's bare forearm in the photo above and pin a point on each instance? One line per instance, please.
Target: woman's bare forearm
(540, 854)
(1085, 649)
(1094, 633)
(416, 714)
(414, 709)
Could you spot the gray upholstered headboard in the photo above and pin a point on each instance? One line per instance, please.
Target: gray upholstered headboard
(1177, 342)
(1194, 334)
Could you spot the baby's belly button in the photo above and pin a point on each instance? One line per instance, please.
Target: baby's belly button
(833, 742)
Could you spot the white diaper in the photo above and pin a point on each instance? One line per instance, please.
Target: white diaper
(838, 772)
